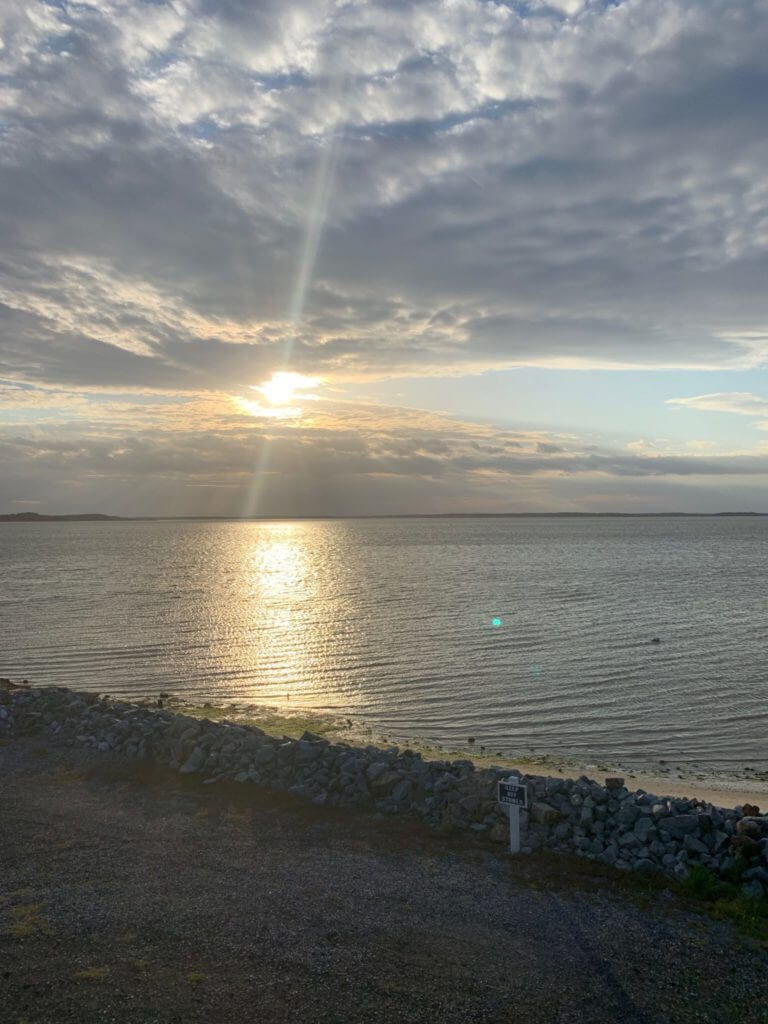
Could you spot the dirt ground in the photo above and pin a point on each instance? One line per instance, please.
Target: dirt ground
(131, 895)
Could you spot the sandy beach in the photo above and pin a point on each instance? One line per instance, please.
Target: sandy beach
(722, 790)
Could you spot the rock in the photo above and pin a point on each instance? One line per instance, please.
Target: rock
(745, 845)
(647, 866)
(614, 782)
(753, 826)
(470, 804)
(720, 840)
(629, 813)
(402, 791)
(445, 782)
(629, 840)
(307, 752)
(310, 737)
(694, 845)
(194, 762)
(753, 889)
(645, 828)
(759, 874)
(586, 817)
(383, 783)
(376, 769)
(679, 825)
(544, 814)
(750, 810)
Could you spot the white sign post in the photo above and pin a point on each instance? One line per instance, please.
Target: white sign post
(513, 795)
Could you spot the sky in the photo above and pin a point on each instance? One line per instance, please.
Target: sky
(333, 257)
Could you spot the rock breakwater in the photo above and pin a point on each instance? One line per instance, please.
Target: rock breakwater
(602, 822)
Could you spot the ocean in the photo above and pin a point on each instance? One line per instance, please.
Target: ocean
(529, 635)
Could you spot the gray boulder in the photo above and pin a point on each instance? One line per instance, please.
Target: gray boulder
(680, 825)
(194, 762)
(544, 814)
(753, 889)
(694, 845)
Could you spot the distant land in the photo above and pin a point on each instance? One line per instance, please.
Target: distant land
(35, 517)
(89, 517)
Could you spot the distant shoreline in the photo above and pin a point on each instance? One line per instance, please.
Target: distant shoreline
(96, 517)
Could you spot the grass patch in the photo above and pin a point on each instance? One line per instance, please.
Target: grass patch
(140, 965)
(28, 921)
(93, 973)
(703, 884)
(748, 914)
(270, 721)
(727, 901)
(196, 978)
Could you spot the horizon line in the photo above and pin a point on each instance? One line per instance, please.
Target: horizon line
(105, 517)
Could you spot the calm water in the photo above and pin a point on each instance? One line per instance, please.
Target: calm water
(391, 620)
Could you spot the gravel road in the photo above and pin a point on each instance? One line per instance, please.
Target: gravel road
(130, 895)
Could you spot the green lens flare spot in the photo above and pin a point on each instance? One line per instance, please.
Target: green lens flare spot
(495, 622)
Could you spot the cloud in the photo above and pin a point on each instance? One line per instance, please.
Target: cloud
(192, 456)
(742, 403)
(200, 193)
(508, 190)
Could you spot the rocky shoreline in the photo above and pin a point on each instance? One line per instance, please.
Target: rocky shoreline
(602, 822)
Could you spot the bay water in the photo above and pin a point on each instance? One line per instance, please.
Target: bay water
(529, 635)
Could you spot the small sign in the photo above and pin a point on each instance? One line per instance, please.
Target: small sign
(514, 794)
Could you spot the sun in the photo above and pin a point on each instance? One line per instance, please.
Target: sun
(282, 387)
(277, 394)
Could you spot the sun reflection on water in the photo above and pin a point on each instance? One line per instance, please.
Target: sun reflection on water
(281, 592)
(285, 612)
(277, 566)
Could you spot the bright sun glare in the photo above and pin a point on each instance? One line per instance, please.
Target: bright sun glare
(282, 386)
(277, 393)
